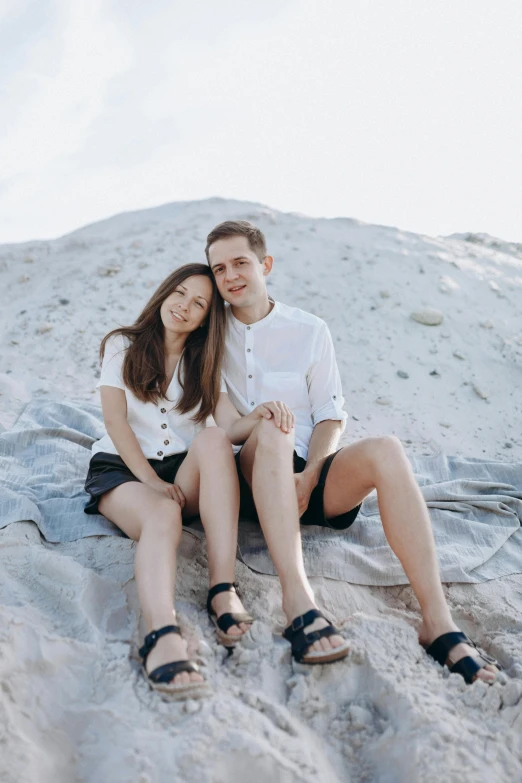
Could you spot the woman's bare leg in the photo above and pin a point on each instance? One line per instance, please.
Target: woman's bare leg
(208, 479)
(154, 521)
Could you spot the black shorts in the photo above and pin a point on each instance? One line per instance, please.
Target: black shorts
(314, 514)
(107, 471)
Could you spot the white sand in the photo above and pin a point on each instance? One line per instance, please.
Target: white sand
(73, 705)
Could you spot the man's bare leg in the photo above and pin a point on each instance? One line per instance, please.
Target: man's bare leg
(381, 463)
(267, 465)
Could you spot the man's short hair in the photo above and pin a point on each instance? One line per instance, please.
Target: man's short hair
(239, 228)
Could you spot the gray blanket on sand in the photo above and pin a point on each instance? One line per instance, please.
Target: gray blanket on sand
(475, 505)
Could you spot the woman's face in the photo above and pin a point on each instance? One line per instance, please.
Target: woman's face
(186, 308)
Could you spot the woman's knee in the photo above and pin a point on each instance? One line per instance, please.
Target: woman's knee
(164, 520)
(212, 440)
(272, 439)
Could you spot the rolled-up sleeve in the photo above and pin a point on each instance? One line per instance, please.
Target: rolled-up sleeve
(112, 365)
(324, 382)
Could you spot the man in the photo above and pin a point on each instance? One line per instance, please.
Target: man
(275, 352)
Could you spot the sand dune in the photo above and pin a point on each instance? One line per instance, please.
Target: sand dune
(73, 704)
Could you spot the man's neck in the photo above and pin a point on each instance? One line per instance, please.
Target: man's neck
(254, 313)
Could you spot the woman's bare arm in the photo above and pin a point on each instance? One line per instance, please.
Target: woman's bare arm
(239, 428)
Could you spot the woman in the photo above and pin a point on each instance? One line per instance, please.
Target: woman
(160, 381)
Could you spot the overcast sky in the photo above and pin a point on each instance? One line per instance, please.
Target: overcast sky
(399, 113)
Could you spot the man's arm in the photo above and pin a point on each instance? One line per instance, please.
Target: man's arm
(323, 442)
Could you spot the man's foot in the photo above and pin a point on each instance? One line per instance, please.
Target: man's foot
(428, 634)
(169, 649)
(228, 602)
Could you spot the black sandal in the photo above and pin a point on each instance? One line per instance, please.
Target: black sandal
(228, 619)
(301, 641)
(467, 667)
(161, 678)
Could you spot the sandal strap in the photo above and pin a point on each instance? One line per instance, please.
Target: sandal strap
(467, 667)
(227, 620)
(150, 640)
(442, 646)
(222, 587)
(168, 671)
(300, 640)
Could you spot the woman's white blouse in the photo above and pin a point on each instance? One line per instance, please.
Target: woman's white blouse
(160, 430)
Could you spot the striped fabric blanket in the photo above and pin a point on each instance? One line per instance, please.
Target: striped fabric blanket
(475, 505)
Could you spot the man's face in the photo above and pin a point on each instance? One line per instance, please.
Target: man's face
(240, 275)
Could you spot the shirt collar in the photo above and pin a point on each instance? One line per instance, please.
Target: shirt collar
(240, 326)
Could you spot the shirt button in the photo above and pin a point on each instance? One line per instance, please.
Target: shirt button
(160, 454)
(334, 397)
(166, 442)
(163, 410)
(164, 426)
(248, 350)
(248, 327)
(249, 376)
(252, 403)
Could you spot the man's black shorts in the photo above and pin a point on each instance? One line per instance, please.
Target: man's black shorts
(314, 514)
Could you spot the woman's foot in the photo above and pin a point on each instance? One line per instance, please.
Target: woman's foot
(228, 602)
(429, 632)
(327, 643)
(169, 649)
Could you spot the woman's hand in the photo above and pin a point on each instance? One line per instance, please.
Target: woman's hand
(172, 491)
(280, 413)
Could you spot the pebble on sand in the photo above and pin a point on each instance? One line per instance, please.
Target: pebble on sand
(429, 316)
(480, 392)
(44, 328)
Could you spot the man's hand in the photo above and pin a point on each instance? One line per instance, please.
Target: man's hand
(280, 413)
(304, 486)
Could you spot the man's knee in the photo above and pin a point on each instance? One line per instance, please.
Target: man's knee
(385, 451)
(271, 439)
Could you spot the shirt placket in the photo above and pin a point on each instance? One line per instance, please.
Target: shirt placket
(250, 367)
(164, 426)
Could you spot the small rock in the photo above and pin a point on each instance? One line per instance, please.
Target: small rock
(24, 279)
(494, 286)
(64, 301)
(44, 328)
(435, 373)
(355, 418)
(458, 355)
(191, 706)
(383, 401)
(480, 392)
(445, 335)
(402, 374)
(445, 424)
(109, 271)
(508, 445)
(486, 324)
(384, 294)
(447, 284)
(429, 316)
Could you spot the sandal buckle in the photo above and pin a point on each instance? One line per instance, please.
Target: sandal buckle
(298, 623)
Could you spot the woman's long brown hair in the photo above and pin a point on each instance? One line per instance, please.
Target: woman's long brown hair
(144, 363)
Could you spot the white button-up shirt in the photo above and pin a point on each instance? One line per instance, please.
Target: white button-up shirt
(287, 356)
(160, 430)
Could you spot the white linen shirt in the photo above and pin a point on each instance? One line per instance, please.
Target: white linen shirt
(160, 430)
(287, 356)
